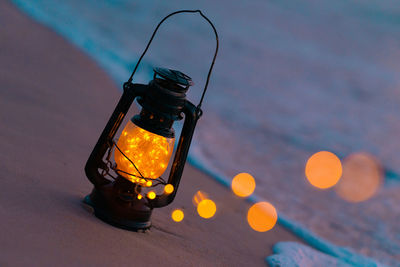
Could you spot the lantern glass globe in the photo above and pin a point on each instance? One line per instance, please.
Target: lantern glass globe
(149, 152)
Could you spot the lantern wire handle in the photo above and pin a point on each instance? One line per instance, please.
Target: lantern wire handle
(215, 54)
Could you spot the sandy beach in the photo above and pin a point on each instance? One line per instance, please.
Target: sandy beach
(54, 102)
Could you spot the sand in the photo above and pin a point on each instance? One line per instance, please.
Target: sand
(54, 102)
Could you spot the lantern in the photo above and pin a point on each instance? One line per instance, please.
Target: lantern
(145, 146)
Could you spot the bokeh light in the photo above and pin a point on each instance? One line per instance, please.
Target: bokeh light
(177, 215)
(362, 177)
(323, 169)
(243, 184)
(262, 216)
(206, 208)
(168, 188)
(198, 197)
(151, 195)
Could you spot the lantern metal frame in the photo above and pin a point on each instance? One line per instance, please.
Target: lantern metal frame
(116, 202)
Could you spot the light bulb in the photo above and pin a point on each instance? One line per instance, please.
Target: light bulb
(148, 151)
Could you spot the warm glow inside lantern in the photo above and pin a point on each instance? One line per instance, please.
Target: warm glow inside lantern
(142, 153)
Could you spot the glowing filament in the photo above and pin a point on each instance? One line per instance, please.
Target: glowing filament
(148, 151)
(198, 197)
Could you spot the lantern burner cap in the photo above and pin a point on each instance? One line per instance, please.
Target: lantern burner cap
(174, 75)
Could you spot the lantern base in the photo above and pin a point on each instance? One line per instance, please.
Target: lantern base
(119, 209)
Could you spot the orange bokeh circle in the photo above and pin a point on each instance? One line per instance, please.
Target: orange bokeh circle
(323, 169)
(262, 216)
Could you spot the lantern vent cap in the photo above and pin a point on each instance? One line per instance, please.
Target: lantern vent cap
(174, 75)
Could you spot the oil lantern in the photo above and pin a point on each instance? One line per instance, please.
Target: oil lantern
(126, 171)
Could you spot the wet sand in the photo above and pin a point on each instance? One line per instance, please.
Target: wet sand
(54, 102)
